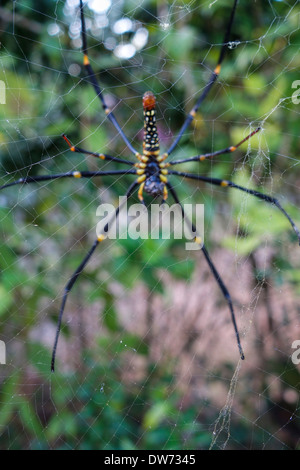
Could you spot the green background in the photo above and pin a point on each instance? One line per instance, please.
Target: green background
(93, 400)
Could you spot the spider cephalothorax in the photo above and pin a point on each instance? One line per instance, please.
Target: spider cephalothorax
(153, 183)
(154, 186)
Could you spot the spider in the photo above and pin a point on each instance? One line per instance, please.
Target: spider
(152, 170)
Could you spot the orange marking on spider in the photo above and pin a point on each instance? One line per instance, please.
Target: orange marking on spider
(217, 69)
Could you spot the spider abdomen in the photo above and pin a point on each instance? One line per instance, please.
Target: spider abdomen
(151, 139)
(151, 171)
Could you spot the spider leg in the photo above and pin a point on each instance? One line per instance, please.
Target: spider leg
(79, 270)
(201, 158)
(213, 269)
(72, 174)
(209, 84)
(140, 192)
(94, 82)
(102, 156)
(230, 184)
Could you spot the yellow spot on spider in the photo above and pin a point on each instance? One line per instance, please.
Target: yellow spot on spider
(193, 113)
(217, 69)
(140, 192)
(202, 157)
(153, 153)
(141, 179)
(165, 195)
(163, 179)
(101, 237)
(140, 171)
(139, 156)
(232, 149)
(164, 172)
(163, 157)
(107, 110)
(72, 149)
(198, 240)
(85, 60)
(102, 156)
(77, 174)
(224, 183)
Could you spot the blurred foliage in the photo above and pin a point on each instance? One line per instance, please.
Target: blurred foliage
(46, 230)
(96, 409)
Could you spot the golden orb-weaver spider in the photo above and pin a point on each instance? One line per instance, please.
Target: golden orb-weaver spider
(152, 170)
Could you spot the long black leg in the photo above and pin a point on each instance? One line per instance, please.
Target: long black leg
(79, 270)
(72, 174)
(230, 184)
(102, 156)
(213, 270)
(66, 291)
(209, 84)
(203, 157)
(93, 80)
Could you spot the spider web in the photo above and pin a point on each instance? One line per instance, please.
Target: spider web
(147, 357)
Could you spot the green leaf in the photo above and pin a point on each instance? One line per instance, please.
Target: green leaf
(178, 43)
(156, 414)
(29, 419)
(134, 343)
(40, 358)
(242, 246)
(6, 299)
(8, 391)
(62, 424)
